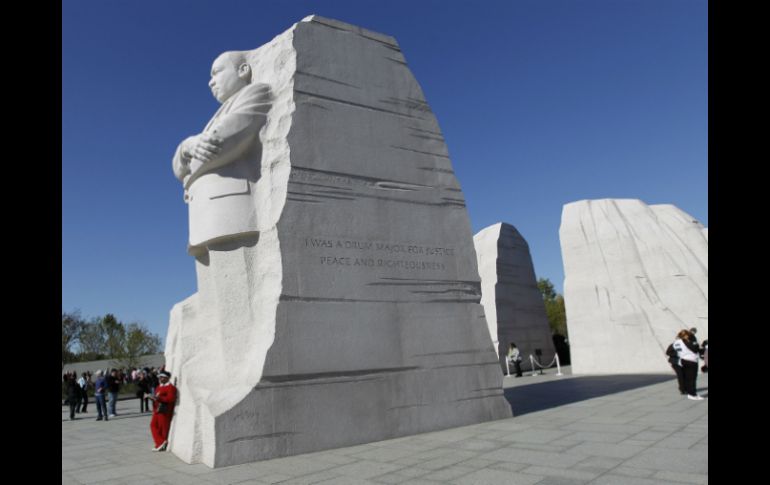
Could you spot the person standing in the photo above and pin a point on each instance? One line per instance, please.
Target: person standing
(83, 384)
(143, 389)
(73, 394)
(162, 411)
(688, 352)
(100, 391)
(673, 359)
(514, 357)
(113, 386)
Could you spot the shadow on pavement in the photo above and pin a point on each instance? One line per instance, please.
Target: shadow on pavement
(530, 398)
(92, 416)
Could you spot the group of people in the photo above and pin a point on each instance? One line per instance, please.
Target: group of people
(683, 355)
(152, 386)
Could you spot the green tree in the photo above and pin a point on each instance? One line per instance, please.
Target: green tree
(71, 325)
(139, 341)
(554, 306)
(92, 340)
(114, 333)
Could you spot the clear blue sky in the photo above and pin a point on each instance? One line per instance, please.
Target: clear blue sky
(541, 102)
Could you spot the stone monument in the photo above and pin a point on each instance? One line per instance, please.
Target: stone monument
(634, 276)
(512, 302)
(338, 293)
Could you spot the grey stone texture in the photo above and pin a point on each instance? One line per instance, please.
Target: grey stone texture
(513, 305)
(354, 316)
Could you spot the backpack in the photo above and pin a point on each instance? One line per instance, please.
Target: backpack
(672, 354)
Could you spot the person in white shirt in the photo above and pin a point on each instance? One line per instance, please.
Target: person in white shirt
(514, 357)
(687, 350)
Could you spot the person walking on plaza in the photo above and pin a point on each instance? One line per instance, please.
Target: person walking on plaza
(514, 357)
(688, 358)
(113, 386)
(83, 384)
(162, 411)
(100, 392)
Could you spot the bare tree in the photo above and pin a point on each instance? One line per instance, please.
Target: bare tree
(71, 325)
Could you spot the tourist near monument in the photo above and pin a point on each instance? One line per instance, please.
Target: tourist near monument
(338, 290)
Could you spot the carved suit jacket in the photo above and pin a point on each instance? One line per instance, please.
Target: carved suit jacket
(220, 192)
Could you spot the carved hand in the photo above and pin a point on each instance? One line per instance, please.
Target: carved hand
(203, 147)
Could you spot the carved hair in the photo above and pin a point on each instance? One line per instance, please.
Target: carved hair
(238, 58)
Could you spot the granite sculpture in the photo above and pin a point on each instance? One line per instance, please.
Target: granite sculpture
(338, 293)
(634, 276)
(512, 302)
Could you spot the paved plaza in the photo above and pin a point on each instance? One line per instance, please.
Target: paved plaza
(566, 430)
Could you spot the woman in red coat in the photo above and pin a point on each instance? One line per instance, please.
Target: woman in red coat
(162, 411)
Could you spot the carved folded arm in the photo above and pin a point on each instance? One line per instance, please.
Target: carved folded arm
(233, 134)
(181, 162)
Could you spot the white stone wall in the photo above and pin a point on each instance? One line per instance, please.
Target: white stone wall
(353, 317)
(513, 305)
(634, 276)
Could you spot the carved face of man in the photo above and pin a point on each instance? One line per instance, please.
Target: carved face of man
(228, 76)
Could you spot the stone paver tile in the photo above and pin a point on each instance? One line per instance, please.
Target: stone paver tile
(607, 428)
(680, 440)
(346, 481)
(661, 459)
(486, 476)
(309, 479)
(276, 478)
(226, 475)
(112, 473)
(448, 473)
(532, 457)
(597, 437)
(475, 445)
(383, 454)
(366, 469)
(479, 463)
(638, 443)
(630, 471)
(561, 481)
(538, 436)
(683, 477)
(413, 472)
(610, 450)
(448, 460)
(390, 478)
(510, 467)
(612, 479)
(561, 473)
(650, 435)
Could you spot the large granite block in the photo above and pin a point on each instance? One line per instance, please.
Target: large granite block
(634, 276)
(345, 309)
(513, 304)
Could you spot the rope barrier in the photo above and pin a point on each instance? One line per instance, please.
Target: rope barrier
(533, 361)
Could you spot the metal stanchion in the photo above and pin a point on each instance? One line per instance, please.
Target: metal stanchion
(558, 366)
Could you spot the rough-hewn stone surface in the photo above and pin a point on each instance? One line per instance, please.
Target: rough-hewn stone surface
(512, 302)
(354, 315)
(634, 276)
